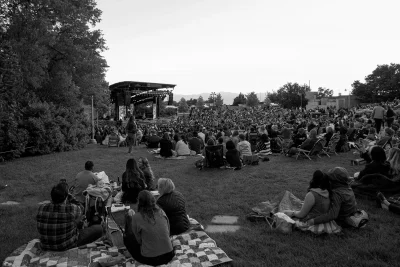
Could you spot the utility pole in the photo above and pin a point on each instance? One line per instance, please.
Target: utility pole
(92, 141)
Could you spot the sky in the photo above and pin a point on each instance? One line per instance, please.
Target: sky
(244, 46)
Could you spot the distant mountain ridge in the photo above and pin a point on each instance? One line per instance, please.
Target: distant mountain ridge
(228, 97)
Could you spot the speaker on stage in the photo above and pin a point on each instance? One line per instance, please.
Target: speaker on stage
(170, 99)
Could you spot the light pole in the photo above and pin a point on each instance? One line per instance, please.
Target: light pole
(92, 141)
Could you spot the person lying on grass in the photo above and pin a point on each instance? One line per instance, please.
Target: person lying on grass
(343, 208)
(147, 232)
(317, 199)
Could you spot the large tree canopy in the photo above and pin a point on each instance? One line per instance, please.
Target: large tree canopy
(252, 99)
(240, 99)
(58, 49)
(290, 95)
(381, 85)
(50, 65)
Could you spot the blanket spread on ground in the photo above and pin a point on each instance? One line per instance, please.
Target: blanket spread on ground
(192, 248)
(178, 157)
(288, 201)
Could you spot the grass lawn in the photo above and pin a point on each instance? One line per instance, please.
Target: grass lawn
(208, 193)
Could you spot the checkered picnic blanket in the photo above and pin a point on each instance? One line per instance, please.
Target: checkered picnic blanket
(192, 248)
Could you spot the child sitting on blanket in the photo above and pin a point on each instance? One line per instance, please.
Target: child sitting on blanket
(317, 199)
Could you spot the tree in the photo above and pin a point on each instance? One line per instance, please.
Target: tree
(200, 103)
(219, 101)
(240, 99)
(52, 68)
(252, 99)
(324, 92)
(191, 102)
(273, 97)
(182, 105)
(267, 101)
(381, 85)
(292, 95)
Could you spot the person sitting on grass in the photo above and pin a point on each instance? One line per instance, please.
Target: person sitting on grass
(263, 146)
(343, 208)
(385, 139)
(83, 180)
(174, 205)
(317, 199)
(378, 165)
(181, 148)
(149, 178)
(165, 146)
(60, 222)
(386, 205)
(306, 145)
(153, 140)
(243, 146)
(133, 181)
(233, 156)
(196, 143)
(371, 134)
(147, 232)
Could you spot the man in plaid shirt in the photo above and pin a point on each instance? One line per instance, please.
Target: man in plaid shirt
(57, 223)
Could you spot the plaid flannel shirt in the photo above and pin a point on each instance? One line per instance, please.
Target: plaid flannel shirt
(57, 226)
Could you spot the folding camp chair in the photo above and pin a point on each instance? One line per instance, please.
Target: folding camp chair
(113, 140)
(315, 150)
(214, 156)
(331, 148)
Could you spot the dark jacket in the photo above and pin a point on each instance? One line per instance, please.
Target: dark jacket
(165, 148)
(153, 141)
(132, 187)
(174, 206)
(343, 201)
(375, 167)
(196, 144)
(233, 158)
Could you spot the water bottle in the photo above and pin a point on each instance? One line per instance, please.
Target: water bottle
(118, 182)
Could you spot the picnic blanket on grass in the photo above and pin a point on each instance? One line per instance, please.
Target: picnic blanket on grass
(192, 248)
(288, 201)
(176, 158)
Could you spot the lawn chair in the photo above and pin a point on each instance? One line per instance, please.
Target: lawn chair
(315, 150)
(113, 140)
(331, 148)
(214, 156)
(286, 143)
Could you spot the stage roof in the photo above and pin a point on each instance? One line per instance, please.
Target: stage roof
(142, 86)
(140, 92)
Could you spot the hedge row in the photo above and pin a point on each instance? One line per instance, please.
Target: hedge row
(42, 128)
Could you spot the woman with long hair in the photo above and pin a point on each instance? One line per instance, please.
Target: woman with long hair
(149, 178)
(132, 182)
(147, 232)
(174, 205)
(317, 200)
(166, 146)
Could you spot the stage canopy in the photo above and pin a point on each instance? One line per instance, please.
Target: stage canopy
(130, 92)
